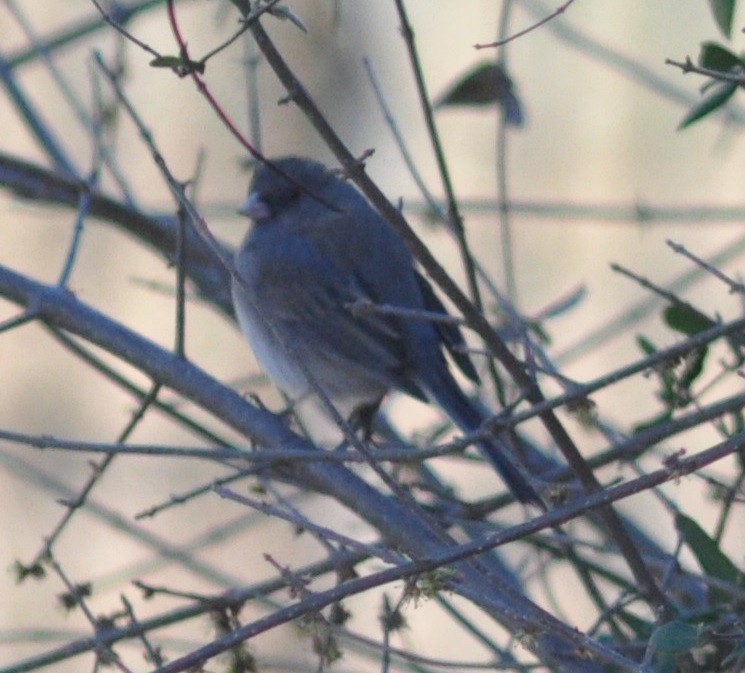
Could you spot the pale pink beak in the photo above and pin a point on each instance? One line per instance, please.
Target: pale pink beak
(254, 208)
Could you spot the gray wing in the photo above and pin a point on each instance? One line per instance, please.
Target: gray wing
(305, 286)
(384, 272)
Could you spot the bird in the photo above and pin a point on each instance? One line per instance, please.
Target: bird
(316, 261)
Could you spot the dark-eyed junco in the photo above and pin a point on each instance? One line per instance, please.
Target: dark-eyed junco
(311, 257)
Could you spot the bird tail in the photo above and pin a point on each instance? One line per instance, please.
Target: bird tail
(469, 418)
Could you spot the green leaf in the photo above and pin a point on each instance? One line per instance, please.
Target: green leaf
(172, 62)
(647, 347)
(721, 94)
(178, 65)
(485, 84)
(723, 11)
(652, 422)
(714, 57)
(711, 559)
(717, 57)
(675, 637)
(687, 320)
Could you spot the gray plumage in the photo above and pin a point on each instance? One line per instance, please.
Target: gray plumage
(303, 264)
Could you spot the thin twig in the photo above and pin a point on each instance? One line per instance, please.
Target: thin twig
(97, 471)
(688, 66)
(733, 285)
(501, 42)
(454, 216)
(302, 521)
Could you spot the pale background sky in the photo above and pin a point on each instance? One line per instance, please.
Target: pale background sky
(594, 137)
